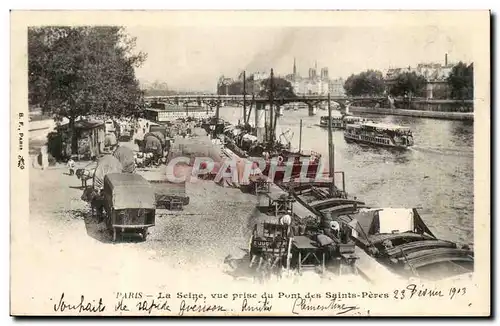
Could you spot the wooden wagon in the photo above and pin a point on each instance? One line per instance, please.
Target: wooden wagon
(129, 202)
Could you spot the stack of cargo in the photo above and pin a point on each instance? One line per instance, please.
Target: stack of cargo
(167, 191)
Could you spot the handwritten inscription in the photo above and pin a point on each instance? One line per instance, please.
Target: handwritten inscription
(199, 308)
(259, 306)
(305, 303)
(152, 305)
(82, 306)
(308, 305)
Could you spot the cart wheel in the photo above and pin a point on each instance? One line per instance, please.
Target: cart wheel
(144, 234)
(108, 222)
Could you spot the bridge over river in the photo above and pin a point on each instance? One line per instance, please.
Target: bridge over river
(217, 101)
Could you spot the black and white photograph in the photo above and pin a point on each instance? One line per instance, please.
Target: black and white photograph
(250, 163)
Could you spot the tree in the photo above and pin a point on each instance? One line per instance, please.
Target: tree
(77, 71)
(408, 83)
(282, 88)
(370, 82)
(236, 88)
(461, 81)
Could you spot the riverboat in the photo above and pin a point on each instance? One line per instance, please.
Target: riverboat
(379, 134)
(351, 119)
(337, 120)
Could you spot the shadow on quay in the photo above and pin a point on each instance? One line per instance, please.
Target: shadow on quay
(241, 270)
(101, 233)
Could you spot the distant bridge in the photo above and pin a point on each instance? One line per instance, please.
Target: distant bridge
(216, 101)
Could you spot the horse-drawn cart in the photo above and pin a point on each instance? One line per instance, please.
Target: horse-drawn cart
(129, 202)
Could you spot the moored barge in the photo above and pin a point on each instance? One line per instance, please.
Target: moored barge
(397, 238)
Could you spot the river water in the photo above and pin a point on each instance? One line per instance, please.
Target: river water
(435, 176)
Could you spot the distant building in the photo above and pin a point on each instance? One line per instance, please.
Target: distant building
(324, 73)
(313, 84)
(336, 87)
(258, 76)
(436, 75)
(223, 85)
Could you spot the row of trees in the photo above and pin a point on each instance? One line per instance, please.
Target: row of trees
(77, 71)
(460, 84)
(461, 81)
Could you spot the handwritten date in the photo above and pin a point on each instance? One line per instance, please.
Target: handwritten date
(413, 291)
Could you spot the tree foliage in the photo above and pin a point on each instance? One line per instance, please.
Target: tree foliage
(409, 83)
(461, 81)
(75, 71)
(370, 82)
(282, 88)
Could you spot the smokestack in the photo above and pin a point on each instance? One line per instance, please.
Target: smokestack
(446, 59)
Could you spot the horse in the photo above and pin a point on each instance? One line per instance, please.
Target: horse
(84, 175)
(96, 200)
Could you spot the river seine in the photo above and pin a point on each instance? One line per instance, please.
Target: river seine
(436, 175)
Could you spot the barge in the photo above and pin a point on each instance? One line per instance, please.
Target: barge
(278, 157)
(397, 238)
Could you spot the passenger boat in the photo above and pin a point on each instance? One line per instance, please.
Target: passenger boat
(379, 134)
(337, 120)
(351, 119)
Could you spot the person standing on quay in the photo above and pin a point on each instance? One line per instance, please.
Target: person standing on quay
(71, 166)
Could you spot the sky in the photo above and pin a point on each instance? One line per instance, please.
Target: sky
(193, 58)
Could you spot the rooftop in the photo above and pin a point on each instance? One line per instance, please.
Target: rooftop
(83, 124)
(386, 126)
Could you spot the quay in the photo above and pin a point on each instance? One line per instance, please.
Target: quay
(414, 113)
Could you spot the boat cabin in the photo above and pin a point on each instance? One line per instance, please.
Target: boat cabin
(336, 118)
(350, 119)
(384, 127)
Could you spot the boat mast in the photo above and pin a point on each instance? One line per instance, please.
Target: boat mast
(331, 149)
(271, 109)
(244, 99)
(300, 137)
(217, 109)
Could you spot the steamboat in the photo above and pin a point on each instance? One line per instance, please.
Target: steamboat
(337, 120)
(379, 134)
(340, 121)
(351, 119)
